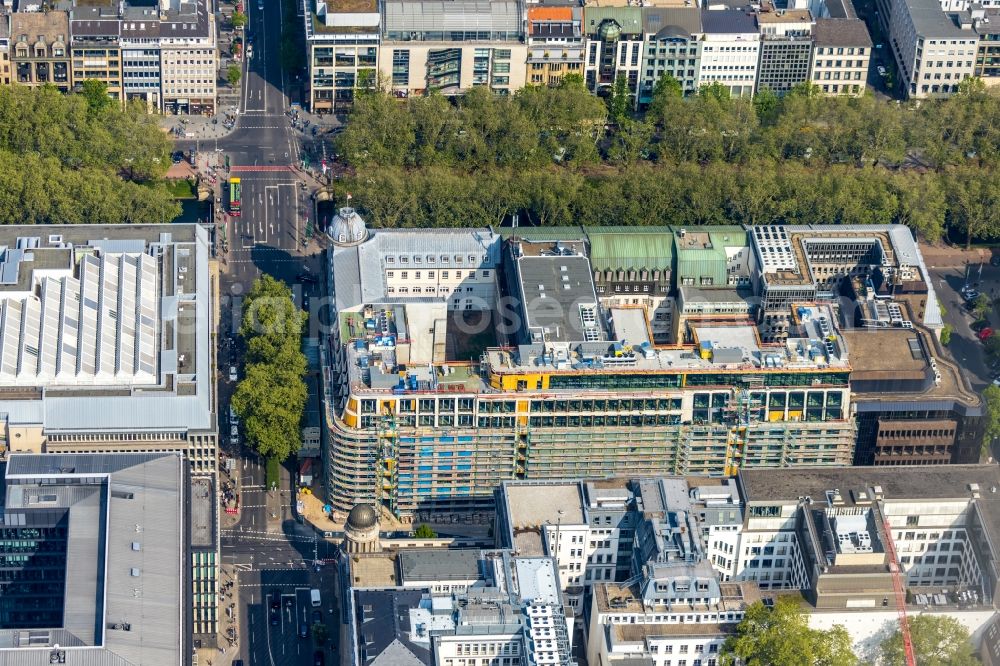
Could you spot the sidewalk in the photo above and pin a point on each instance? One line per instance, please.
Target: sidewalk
(195, 127)
(229, 626)
(947, 256)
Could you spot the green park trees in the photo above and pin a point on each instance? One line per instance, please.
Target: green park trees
(80, 159)
(565, 156)
(781, 636)
(271, 397)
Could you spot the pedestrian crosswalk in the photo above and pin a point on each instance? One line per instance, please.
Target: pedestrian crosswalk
(245, 169)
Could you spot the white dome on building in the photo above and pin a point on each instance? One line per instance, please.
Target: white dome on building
(347, 228)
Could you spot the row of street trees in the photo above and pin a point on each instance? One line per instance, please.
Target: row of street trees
(965, 199)
(560, 156)
(781, 636)
(271, 397)
(80, 159)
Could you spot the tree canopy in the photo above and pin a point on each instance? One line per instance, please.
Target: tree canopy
(271, 397)
(705, 159)
(938, 640)
(781, 636)
(991, 398)
(78, 159)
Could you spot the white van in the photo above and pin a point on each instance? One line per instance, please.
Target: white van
(314, 595)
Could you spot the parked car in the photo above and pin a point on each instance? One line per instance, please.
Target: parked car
(317, 617)
(984, 334)
(178, 156)
(881, 70)
(233, 376)
(319, 659)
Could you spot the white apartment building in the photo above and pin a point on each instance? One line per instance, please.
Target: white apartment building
(730, 50)
(669, 618)
(933, 43)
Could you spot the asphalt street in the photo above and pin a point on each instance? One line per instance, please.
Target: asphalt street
(967, 350)
(268, 549)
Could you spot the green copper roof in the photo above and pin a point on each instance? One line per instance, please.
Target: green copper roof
(632, 250)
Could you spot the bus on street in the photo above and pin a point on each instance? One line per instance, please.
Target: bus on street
(234, 197)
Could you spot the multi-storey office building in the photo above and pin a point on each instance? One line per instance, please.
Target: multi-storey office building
(786, 47)
(730, 50)
(95, 47)
(342, 42)
(40, 49)
(670, 49)
(95, 565)
(635, 270)
(555, 44)
(841, 56)
(141, 56)
(5, 68)
(987, 25)
(934, 44)
(512, 614)
(105, 341)
(820, 533)
(188, 57)
(614, 37)
(807, 263)
(608, 530)
(577, 390)
(447, 47)
(461, 360)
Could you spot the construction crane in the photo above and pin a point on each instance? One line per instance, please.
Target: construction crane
(897, 588)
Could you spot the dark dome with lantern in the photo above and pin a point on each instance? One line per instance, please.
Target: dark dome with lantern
(362, 517)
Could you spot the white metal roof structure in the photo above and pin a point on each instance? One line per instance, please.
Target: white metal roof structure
(98, 326)
(106, 328)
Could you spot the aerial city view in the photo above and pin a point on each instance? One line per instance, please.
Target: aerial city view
(500, 332)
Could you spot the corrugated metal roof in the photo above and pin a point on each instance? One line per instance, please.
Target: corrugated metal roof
(630, 251)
